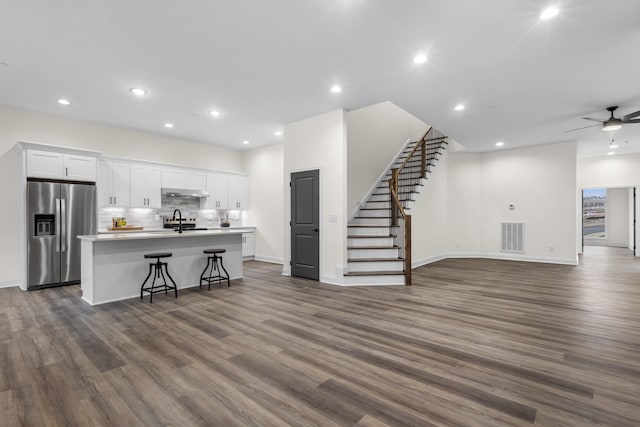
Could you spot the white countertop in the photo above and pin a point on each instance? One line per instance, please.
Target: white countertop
(165, 234)
(248, 229)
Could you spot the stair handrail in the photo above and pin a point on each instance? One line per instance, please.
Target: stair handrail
(395, 207)
(395, 204)
(421, 143)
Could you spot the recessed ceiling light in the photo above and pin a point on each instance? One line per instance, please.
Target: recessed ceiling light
(611, 153)
(63, 101)
(336, 89)
(459, 107)
(499, 144)
(549, 13)
(138, 91)
(245, 142)
(420, 58)
(278, 133)
(215, 113)
(168, 125)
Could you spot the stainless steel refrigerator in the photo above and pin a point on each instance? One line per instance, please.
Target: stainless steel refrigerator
(57, 212)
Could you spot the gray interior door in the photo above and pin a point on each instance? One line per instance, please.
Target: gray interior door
(305, 224)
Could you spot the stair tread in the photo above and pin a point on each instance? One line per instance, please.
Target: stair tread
(374, 209)
(375, 273)
(370, 226)
(374, 247)
(374, 259)
(370, 236)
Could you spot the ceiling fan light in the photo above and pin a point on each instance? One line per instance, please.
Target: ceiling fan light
(611, 125)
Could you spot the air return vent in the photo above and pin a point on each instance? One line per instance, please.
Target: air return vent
(513, 237)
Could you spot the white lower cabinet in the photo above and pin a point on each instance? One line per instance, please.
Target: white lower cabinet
(248, 245)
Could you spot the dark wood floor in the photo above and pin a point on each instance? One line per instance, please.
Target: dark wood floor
(472, 343)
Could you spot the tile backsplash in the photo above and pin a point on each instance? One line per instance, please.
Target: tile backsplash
(189, 206)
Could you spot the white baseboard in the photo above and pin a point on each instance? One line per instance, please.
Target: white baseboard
(425, 261)
(286, 270)
(272, 260)
(513, 257)
(8, 283)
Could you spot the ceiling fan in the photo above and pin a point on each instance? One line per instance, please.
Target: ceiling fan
(612, 123)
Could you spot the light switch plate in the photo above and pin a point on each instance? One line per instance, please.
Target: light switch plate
(333, 218)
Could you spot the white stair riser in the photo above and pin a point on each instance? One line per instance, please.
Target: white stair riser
(368, 231)
(374, 280)
(374, 213)
(371, 221)
(376, 266)
(376, 241)
(377, 205)
(372, 253)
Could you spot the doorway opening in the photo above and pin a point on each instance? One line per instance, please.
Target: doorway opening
(609, 218)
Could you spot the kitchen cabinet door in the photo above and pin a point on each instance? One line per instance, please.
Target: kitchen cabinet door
(154, 182)
(217, 187)
(120, 184)
(195, 180)
(248, 245)
(145, 186)
(238, 192)
(113, 184)
(172, 178)
(79, 168)
(44, 164)
(138, 194)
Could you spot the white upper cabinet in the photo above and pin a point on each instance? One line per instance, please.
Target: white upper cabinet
(145, 186)
(184, 179)
(238, 192)
(52, 165)
(113, 184)
(79, 168)
(217, 187)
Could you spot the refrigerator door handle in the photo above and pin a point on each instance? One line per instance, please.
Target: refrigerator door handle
(57, 225)
(63, 223)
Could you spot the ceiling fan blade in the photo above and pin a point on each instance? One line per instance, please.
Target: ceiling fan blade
(584, 127)
(632, 120)
(630, 116)
(593, 120)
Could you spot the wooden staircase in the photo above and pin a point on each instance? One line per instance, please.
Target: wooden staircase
(377, 239)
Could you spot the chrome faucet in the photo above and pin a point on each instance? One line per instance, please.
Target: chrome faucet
(179, 219)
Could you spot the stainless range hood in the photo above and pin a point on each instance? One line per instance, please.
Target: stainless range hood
(182, 192)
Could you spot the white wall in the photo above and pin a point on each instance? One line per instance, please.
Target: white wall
(266, 183)
(320, 143)
(609, 171)
(429, 215)
(464, 203)
(375, 135)
(540, 181)
(18, 125)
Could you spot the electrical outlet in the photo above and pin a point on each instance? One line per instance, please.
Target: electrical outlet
(552, 248)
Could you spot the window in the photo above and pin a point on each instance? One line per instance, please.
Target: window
(594, 212)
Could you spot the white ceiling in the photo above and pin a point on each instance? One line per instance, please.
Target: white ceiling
(264, 64)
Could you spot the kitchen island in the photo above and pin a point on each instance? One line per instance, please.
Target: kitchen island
(114, 267)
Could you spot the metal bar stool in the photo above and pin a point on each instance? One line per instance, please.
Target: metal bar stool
(156, 269)
(212, 265)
